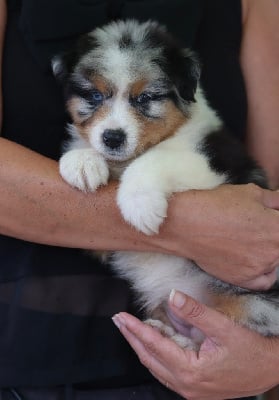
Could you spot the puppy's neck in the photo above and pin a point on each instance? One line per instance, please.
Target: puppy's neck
(117, 168)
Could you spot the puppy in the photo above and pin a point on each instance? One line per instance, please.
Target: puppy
(139, 115)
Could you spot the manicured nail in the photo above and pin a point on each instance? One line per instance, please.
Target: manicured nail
(118, 321)
(177, 299)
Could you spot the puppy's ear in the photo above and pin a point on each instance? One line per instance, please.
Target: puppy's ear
(186, 75)
(60, 68)
(63, 65)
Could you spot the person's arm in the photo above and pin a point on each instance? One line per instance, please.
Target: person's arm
(260, 64)
(232, 362)
(38, 206)
(230, 231)
(3, 16)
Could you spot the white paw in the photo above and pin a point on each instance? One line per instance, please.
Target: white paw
(145, 210)
(168, 331)
(185, 342)
(84, 169)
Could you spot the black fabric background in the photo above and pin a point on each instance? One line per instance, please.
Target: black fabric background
(38, 345)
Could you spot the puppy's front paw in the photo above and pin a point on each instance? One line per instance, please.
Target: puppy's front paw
(144, 210)
(84, 169)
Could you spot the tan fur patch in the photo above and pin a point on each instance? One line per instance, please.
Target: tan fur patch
(137, 87)
(102, 85)
(84, 124)
(156, 130)
(160, 313)
(235, 307)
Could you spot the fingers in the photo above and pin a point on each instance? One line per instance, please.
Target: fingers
(156, 352)
(263, 282)
(211, 322)
(271, 199)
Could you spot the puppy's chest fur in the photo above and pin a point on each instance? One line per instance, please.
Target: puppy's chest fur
(143, 119)
(116, 170)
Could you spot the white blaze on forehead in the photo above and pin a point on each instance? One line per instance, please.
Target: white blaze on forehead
(123, 64)
(121, 67)
(114, 32)
(117, 68)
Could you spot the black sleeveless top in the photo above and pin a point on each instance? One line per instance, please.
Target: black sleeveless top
(56, 303)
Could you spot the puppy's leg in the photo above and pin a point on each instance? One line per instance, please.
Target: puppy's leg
(258, 311)
(84, 169)
(149, 180)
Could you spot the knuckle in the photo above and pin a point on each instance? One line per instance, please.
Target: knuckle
(145, 360)
(255, 189)
(151, 348)
(255, 266)
(264, 263)
(197, 310)
(257, 269)
(266, 285)
(268, 281)
(274, 261)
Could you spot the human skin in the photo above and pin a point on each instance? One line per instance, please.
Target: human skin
(260, 65)
(233, 362)
(232, 232)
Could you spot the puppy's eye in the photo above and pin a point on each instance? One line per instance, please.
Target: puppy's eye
(144, 98)
(97, 96)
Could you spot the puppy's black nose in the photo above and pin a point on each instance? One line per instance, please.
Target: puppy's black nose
(114, 138)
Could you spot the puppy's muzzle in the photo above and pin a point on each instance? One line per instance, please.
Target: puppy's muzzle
(114, 138)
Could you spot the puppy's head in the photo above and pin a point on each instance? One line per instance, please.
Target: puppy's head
(128, 86)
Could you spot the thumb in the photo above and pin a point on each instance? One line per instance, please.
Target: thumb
(271, 199)
(212, 323)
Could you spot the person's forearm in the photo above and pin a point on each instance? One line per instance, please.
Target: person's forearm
(229, 231)
(38, 206)
(3, 16)
(260, 64)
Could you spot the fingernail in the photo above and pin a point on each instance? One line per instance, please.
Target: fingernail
(177, 299)
(118, 321)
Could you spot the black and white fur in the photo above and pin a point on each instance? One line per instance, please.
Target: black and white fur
(140, 115)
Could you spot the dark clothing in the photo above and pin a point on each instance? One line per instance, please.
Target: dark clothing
(56, 303)
(152, 391)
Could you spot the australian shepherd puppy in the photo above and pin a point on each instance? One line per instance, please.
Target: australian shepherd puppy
(139, 115)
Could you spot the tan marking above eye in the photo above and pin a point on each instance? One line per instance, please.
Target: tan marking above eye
(102, 85)
(137, 88)
(156, 130)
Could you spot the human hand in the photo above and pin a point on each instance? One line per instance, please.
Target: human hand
(232, 362)
(233, 233)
